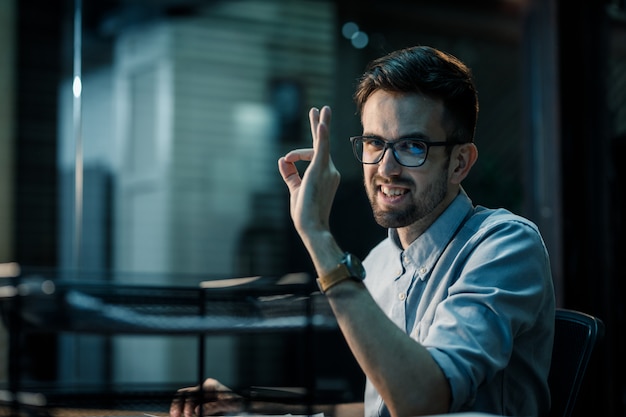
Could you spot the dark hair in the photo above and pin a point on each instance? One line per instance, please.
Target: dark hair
(431, 72)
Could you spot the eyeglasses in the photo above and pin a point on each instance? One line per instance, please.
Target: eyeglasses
(408, 152)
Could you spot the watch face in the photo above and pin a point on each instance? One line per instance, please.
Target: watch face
(355, 266)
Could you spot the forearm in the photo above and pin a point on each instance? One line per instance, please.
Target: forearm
(403, 371)
(324, 251)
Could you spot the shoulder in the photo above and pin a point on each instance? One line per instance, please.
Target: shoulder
(505, 243)
(503, 249)
(487, 217)
(484, 222)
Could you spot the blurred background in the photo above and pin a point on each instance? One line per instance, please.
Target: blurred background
(139, 140)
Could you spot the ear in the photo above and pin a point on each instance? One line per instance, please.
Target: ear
(461, 161)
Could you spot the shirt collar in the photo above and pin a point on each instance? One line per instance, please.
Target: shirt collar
(428, 247)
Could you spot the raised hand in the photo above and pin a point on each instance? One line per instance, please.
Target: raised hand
(312, 194)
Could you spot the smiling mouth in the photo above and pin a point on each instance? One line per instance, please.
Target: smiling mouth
(392, 191)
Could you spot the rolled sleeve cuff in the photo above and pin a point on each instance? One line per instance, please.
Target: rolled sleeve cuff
(459, 391)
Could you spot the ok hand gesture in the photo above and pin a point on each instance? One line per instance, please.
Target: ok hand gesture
(312, 194)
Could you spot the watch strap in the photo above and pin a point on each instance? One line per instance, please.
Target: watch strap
(334, 277)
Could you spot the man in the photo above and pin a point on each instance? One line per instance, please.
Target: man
(454, 310)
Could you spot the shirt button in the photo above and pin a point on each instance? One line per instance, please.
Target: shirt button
(416, 332)
(401, 296)
(423, 270)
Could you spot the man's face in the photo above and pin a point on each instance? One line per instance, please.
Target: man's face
(402, 196)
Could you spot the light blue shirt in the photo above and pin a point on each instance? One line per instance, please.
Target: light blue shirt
(476, 290)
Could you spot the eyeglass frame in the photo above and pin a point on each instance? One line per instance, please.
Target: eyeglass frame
(391, 144)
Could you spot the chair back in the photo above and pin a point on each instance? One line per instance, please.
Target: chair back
(575, 337)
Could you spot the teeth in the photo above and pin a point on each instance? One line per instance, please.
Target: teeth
(392, 192)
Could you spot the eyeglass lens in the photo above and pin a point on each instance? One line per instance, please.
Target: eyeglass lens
(408, 152)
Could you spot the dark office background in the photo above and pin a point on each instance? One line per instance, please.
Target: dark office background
(552, 132)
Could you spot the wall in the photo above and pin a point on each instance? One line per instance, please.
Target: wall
(184, 121)
(7, 62)
(7, 13)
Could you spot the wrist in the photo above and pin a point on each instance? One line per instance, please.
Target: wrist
(323, 250)
(349, 268)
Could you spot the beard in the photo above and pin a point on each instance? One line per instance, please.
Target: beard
(422, 204)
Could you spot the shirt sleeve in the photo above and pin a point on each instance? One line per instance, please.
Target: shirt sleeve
(503, 286)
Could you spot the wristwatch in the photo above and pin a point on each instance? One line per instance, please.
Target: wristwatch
(350, 267)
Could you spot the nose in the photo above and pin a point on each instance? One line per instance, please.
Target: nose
(389, 166)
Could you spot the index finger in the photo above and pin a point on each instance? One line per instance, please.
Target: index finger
(320, 129)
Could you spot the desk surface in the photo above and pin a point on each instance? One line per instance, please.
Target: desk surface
(88, 412)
